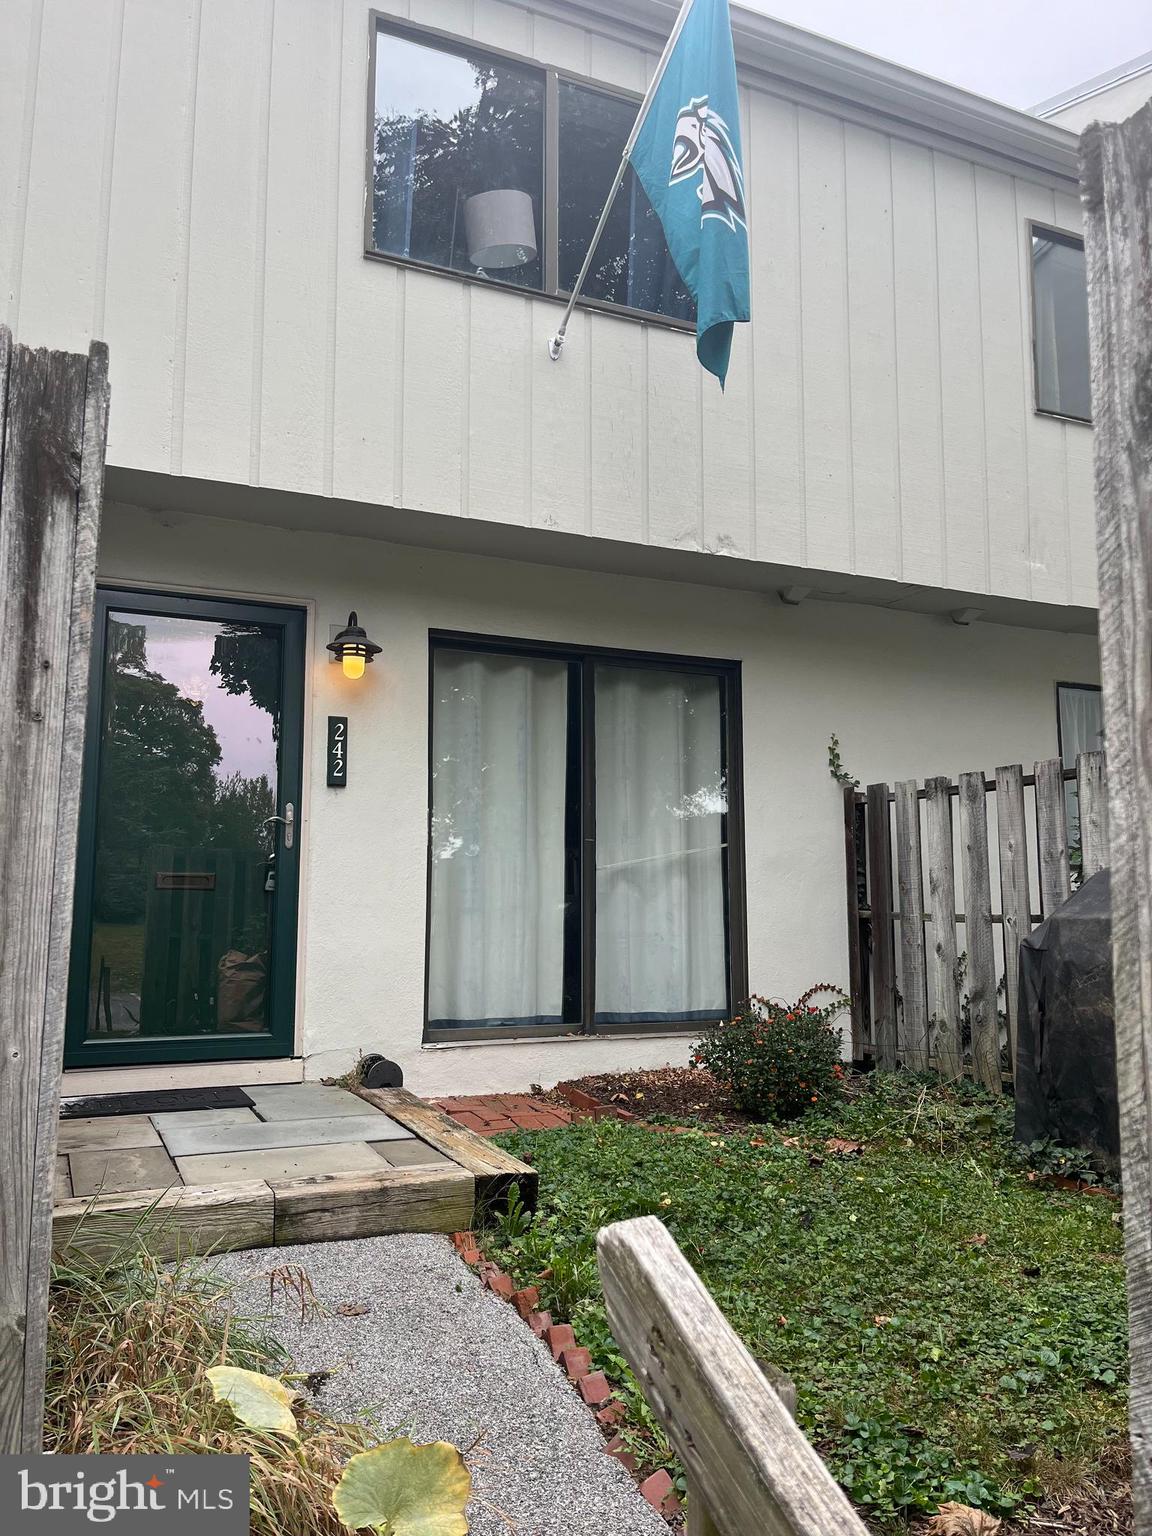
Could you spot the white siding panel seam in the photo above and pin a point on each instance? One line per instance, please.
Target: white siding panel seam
(257, 403)
(897, 460)
(398, 425)
(339, 214)
(747, 336)
(589, 425)
(107, 170)
(645, 438)
(465, 407)
(801, 413)
(850, 444)
(183, 244)
(24, 176)
(983, 387)
(943, 478)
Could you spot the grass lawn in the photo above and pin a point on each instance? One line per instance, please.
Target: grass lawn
(955, 1329)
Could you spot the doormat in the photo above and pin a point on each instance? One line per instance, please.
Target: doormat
(161, 1101)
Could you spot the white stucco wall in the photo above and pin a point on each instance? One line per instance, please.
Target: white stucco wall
(908, 695)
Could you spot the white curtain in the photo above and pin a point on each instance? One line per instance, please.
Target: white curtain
(660, 803)
(499, 766)
(1081, 722)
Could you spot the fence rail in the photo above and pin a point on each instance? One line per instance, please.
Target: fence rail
(933, 980)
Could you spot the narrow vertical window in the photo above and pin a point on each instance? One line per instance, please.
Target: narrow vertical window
(1060, 324)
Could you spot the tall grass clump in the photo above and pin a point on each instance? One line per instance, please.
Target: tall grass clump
(129, 1340)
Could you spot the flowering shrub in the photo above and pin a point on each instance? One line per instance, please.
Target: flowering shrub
(778, 1059)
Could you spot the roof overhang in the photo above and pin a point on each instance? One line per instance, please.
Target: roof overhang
(846, 79)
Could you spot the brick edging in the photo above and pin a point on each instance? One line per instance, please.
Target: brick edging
(592, 1386)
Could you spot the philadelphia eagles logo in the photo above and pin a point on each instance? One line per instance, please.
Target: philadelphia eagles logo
(703, 145)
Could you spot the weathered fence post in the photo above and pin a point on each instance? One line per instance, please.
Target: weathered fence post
(942, 894)
(1116, 179)
(981, 974)
(53, 426)
(750, 1469)
(883, 946)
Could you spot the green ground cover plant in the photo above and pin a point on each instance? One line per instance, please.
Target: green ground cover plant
(956, 1329)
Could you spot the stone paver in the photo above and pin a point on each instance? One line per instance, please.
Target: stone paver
(278, 1163)
(172, 1120)
(191, 1141)
(123, 1168)
(410, 1154)
(304, 1101)
(103, 1132)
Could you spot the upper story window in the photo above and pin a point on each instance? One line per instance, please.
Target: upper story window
(1060, 324)
(460, 143)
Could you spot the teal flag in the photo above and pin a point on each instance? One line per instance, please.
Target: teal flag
(687, 156)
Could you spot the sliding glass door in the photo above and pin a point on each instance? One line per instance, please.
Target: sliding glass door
(585, 858)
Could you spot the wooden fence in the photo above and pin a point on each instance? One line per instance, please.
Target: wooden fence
(933, 956)
(53, 428)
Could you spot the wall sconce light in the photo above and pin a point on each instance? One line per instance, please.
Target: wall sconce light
(352, 648)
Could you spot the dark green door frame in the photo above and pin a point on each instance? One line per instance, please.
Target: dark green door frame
(278, 1040)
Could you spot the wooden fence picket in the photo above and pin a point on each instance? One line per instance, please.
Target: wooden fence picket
(942, 895)
(1052, 835)
(1015, 889)
(980, 976)
(1092, 794)
(913, 1030)
(880, 903)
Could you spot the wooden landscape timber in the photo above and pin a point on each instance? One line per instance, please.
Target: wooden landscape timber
(495, 1170)
(53, 432)
(749, 1466)
(1116, 184)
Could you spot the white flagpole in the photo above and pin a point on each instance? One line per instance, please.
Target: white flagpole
(556, 343)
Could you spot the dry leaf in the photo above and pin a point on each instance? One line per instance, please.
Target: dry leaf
(841, 1148)
(962, 1520)
(977, 1240)
(353, 1309)
(881, 1320)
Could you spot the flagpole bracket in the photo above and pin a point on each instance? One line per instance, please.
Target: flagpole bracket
(556, 346)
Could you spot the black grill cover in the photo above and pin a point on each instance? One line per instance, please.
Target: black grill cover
(1066, 1042)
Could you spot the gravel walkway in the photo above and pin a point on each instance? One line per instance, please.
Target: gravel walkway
(438, 1357)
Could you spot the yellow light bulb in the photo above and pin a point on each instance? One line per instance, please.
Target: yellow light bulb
(353, 665)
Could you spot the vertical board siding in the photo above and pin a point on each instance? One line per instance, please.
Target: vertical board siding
(961, 370)
(1003, 353)
(499, 440)
(1044, 437)
(872, 331)
(60, 300)
(225, 240)
(300, 227)
(147, 242)
(917, 310)
(209, 219)
(827, 402)
(19, 67)
(773, 188)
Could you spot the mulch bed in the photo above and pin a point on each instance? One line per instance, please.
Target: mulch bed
(683, 1094)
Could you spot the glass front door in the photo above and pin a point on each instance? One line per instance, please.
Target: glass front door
(187, 871)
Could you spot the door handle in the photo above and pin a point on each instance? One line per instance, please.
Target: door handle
(287, 821)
